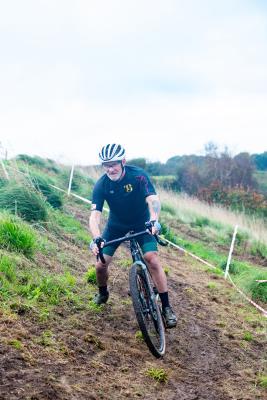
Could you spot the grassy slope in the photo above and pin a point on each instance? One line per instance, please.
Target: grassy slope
(58, 345)
(72, 350)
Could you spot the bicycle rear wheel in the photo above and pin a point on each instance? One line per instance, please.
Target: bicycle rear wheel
(147, 310)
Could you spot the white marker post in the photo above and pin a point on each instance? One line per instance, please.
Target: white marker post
(70, 181)
(230, 253)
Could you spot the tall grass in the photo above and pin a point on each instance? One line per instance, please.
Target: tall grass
(23, 201)
(188, 209)
(16, 235)
(43, 184)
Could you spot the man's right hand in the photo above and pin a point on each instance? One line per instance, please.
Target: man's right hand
(95, 244)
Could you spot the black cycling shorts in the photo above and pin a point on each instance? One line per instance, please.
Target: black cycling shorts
(147, 242)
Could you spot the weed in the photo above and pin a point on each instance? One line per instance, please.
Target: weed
(90, 275)
(211, 285)
(46, 339)
(89, 338)
(166, 270)
(15, 343)
(138, 335)
(95, 307)
(262, 381)
(216, 271)
(247, 336)
(159, 374)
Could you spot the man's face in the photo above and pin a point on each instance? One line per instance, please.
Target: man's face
(113, 170)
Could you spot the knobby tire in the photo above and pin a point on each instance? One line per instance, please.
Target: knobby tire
(147, 311)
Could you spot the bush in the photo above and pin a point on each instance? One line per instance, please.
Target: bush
(24, 202)
(15, 235)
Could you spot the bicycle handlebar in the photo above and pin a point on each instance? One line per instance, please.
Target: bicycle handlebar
(125, 238)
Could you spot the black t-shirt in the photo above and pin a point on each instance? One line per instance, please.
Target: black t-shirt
(126, 198)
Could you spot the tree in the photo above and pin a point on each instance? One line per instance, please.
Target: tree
(260, 161)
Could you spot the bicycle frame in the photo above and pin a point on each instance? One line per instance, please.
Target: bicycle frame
(144, 293)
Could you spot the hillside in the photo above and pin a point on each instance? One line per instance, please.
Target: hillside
(55, 344)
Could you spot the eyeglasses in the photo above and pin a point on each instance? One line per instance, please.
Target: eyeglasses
(111, 165)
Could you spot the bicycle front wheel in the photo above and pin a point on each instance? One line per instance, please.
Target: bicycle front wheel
(147, 310)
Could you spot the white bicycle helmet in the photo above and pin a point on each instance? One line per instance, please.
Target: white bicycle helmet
(112, 152)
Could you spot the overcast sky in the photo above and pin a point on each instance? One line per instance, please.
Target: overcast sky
(163, 78)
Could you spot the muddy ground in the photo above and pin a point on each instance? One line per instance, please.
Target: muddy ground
(78, 354)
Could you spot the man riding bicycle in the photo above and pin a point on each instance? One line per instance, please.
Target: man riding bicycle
(132, 201)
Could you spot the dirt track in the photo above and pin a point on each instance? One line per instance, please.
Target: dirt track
(97, 356)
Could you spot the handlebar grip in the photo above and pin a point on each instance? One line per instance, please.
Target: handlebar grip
(100, 255)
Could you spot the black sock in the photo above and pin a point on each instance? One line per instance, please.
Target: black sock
(164, 297)
(103, 290)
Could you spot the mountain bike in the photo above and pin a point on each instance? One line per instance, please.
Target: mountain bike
(145, 297)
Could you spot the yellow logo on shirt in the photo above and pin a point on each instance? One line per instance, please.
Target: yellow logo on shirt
(128, 188)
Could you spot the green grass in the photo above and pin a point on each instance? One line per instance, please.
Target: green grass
(69, 225)
(262, 381)
(247, 336)
(248, 281)
(259, 249)
(168, 209)
(90, 275)
(43, 183)
(16, 235)
(158, 374)
(23, 201)
(245, 274)
(139, 336)
(211, 285)
(24, 287)
(15, 343)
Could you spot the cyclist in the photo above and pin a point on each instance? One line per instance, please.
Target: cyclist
(132, 201)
